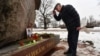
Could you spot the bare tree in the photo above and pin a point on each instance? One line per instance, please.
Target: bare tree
(46, 6)
(92, 22)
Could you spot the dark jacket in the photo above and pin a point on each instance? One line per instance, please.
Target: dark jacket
(70, 17)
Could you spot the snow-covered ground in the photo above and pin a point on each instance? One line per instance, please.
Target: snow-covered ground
(92, 36)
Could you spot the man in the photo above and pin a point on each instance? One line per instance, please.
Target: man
(72, 21)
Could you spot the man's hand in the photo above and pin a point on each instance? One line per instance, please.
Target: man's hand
(54, 12)
(78, 28)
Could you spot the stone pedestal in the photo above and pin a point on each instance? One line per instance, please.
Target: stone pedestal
(39, 49)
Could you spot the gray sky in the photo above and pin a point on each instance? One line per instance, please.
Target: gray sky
(84, 7)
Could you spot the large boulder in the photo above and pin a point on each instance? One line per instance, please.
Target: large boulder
(15, 16)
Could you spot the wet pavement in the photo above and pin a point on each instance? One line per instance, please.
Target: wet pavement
(84, 49)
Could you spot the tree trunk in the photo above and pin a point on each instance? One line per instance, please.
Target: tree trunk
(45, 24)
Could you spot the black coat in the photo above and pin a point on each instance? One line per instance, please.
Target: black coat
(70, 17)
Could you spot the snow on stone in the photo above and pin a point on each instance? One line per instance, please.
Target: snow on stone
(92, 36)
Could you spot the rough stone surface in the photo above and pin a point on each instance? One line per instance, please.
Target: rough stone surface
(15, 15)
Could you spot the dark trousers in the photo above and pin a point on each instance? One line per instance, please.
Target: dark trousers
(72, 41)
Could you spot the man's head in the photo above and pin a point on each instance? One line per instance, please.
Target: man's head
(58, 7)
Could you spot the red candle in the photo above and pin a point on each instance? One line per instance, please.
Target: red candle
(21, 43)
(35, 36)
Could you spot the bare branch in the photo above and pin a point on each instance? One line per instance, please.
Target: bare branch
(45, 7)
